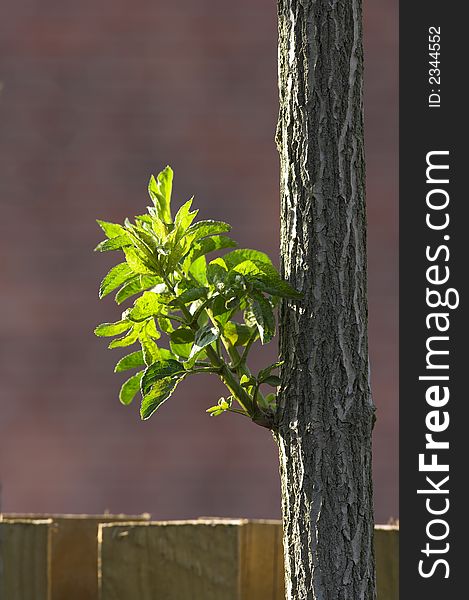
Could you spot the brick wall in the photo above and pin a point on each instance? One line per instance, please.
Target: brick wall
(97, 95)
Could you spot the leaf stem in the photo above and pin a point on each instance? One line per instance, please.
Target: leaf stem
(243, 358)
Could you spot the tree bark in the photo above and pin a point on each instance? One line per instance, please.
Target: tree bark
(326, 412)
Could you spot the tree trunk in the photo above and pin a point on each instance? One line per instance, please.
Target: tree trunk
(326, 413)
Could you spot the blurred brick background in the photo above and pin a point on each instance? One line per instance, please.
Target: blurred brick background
(98, 94)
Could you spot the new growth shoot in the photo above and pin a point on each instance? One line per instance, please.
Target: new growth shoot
(190, 316)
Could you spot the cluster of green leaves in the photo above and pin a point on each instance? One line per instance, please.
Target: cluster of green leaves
(209, 313)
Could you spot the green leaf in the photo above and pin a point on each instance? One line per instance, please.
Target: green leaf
(242, 254)
(276, 286)
(160, 370)
(220, 313)
(267, 278)
(198, 270)
(150, 350)
(143, 239)
(166, 354)
(184, 217)
(130, 388)
(144, 219)
(128, 339)
(204, 337)
(203, 229)
(135, 285)
(182, 351)
(207, 245)
(137, 263)
(158, 393)
(248, 267)
(111, 230)
(115, 243)
(111, 329)
(272, 380)
(182, 335)
(146, 306)
(267, 371)
(268, 402)
(238, 334)
(216, 272)
(160, 193)
(135, 359)
(116, 277)
(165, 325)
(189, 295)
(151, 330)
(264, 317)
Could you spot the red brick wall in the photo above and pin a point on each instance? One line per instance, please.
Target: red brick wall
(97, 95)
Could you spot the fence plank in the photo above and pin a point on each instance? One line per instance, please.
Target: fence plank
(25, 559)
(203, 559)
(387, 561)
(74, 554)
(262, 571)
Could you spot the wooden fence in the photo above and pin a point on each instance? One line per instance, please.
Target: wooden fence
(121, 557)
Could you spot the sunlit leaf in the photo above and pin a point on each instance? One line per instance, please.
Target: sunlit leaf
(160, 193)
(116, 277)
(137, 263)
(128, 339)
(159, 392)
(160, 370)
(206, 245)
(238, 334)
(130, 388)
(198, 270)
(242, 254)
(111, 230)
(202, 229)
(150, 350)
(115, 243)
(111, 329)
(184, 217)
(146, 306)
(135, 359)
(135, 285)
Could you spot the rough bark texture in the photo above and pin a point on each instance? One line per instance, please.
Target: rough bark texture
(326, 411)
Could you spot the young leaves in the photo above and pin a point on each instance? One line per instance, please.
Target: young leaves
(160, 192)
(196, 308)
(116, 277)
